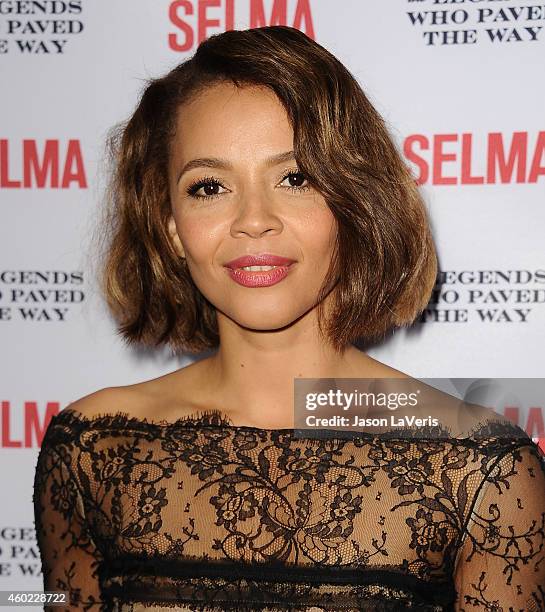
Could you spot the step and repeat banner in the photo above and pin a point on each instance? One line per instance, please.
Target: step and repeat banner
(460, 85)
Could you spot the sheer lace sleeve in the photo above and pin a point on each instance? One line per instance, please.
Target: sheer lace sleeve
(68, 554)
(501, 564)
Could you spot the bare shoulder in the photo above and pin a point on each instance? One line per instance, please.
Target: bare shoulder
(158, 398)
(369, 367)
(109, 400)
(460, 417)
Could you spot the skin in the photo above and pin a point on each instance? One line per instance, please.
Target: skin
(269, 335)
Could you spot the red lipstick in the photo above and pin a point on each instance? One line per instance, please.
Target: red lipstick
(259, 278)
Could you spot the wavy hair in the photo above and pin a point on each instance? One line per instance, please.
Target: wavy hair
(384, 263)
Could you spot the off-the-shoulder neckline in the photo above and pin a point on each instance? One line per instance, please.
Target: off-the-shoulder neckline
(212, 417)
(215, 418)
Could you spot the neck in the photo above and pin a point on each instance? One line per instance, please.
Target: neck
(252, 373)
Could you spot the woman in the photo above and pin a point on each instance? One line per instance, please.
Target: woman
(190, 491)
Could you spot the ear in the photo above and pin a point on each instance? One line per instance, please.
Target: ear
(174, 237)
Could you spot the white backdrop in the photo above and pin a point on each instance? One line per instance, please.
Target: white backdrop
(461, 87)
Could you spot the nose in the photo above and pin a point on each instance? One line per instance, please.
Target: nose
(256, 215)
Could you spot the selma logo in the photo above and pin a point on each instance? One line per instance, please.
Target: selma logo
(449, 159)
(49, 165)
(195, 20)
(30, 417)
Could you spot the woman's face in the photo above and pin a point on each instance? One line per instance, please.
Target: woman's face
(236, 190)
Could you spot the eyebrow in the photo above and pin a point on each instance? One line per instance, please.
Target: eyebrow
(223, 164)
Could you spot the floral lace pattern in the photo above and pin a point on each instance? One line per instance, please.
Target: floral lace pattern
(200, 514)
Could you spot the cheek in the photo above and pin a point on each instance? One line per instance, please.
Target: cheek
(200, 237)
(319, 234)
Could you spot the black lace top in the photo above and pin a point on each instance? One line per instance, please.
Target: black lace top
(200, 514)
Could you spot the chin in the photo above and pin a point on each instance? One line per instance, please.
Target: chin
(264, 319)
(263, 323)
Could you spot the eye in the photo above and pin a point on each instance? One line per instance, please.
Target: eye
(296, 181)
(209, 186)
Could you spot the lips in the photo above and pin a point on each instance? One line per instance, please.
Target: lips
(265, 259)
(262, 278)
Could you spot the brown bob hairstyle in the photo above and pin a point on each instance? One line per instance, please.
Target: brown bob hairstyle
(384, 263)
